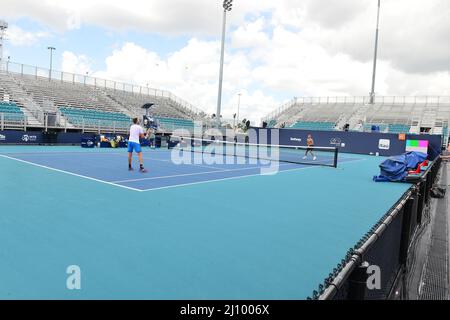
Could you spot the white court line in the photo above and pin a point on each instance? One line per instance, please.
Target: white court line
(167, 187)
(105, 153)
(194, 174)
(70, 173)
(224, 179)
(187, 164)
(246, 176)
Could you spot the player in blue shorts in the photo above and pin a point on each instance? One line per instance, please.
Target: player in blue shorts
(134, 145)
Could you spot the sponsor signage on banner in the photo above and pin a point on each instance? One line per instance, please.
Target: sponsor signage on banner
(29, 138)
(337, 142)
(384, 144)
(2, 137)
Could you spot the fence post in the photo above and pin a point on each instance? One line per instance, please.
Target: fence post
(408, 214)
(358, 282)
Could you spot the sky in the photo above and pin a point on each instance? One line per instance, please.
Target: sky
(275, 49)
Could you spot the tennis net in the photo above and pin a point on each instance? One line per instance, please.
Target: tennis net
(319, 156)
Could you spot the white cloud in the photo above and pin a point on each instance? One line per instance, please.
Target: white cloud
(19, 37)
(191, 73)
(251, 35)
(72, 63)
(277, 49)
(174, 16)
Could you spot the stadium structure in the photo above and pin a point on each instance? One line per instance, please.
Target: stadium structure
(35, 98)
(322, 226)
(390, 114)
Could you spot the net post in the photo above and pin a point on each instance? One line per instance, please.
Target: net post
(336, 153)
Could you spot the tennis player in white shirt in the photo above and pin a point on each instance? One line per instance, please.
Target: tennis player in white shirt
(134, 145)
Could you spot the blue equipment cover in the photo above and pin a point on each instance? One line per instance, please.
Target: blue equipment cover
(396, 168)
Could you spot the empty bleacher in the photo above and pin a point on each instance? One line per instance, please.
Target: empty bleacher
(11, 114)
(309, 125)
(391, 114)
(94, 118)
(369, 127)
(398, 128)
(171, 124)
(80, 102)
(272, 124)
(163, 107)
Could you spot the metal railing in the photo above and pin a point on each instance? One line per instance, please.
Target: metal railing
(387, 245)
(362, 100)
(13, 121)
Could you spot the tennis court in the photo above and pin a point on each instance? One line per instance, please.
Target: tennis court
(190, 231)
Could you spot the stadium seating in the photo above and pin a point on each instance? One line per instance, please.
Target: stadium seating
(94, 118)
(37, 96)
(367, 127)
(11, 112)
(320, 126)
(398, 128)
(272, 124)
(170, 124)
(446, 135)
(391, 114)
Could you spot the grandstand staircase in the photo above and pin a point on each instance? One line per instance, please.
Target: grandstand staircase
(109, 100)
(358, 117)
(415, 126)
(292, 115)
(429, 116)
(119, 105)
(30, 109)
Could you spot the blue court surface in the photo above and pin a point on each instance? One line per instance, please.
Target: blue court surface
(190, 231)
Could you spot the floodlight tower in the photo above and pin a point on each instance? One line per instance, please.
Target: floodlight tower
(372, 93)
(51, 62)
(227, 6)
(3, 27)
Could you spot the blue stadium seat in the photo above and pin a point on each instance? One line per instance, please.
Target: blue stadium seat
(11, 112)
(94, 118)
(317, 126)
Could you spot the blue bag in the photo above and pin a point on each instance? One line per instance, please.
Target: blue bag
(396, 168)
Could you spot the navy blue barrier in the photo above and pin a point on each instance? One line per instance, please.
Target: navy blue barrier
(74, 137)
(87, 143)
(385, 144)
(39, 137)
(21, 137)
